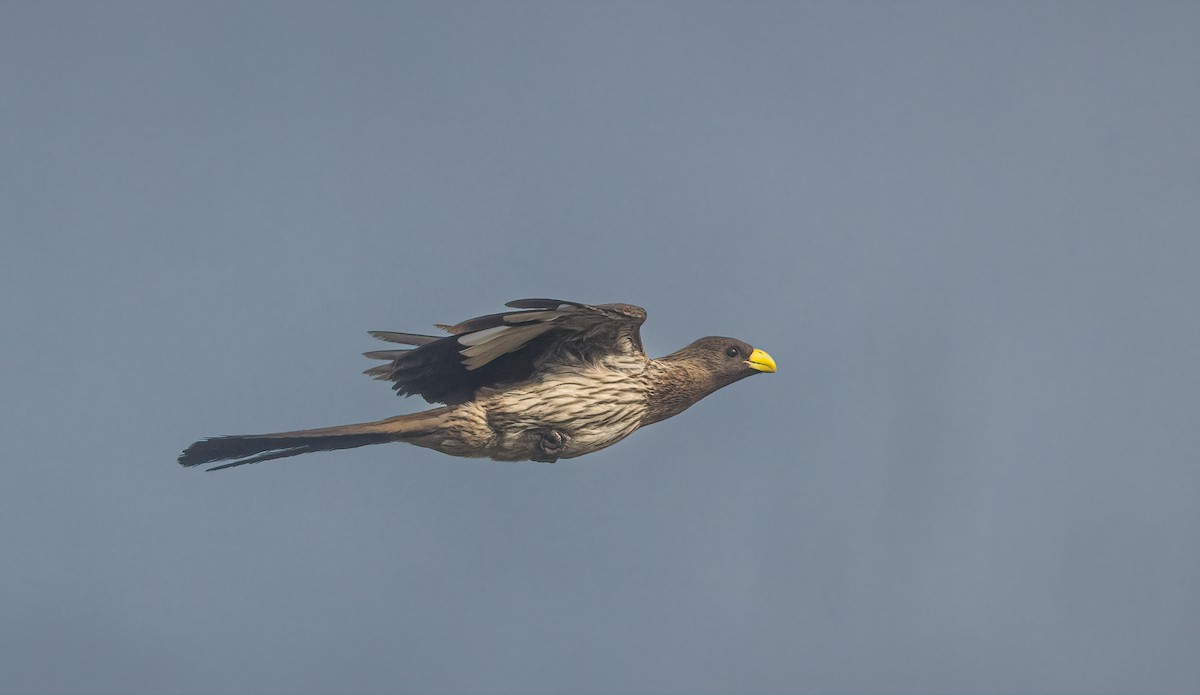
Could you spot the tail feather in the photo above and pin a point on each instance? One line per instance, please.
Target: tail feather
(254, 448)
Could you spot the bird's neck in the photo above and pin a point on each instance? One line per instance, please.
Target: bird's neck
(674, 385)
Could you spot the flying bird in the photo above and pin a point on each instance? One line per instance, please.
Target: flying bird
(554, 379)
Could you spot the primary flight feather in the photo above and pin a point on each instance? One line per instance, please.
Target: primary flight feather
(554, 379)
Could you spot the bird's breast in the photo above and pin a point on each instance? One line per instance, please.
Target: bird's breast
(591, 408)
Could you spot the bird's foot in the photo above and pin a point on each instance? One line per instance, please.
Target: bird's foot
(550, 445)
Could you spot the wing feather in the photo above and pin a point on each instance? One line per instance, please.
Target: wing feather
(404, 338)
(543, 304)
(481, 352)
(390, 355)
(505, 348)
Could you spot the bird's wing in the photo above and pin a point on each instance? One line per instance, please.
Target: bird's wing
(506, 348)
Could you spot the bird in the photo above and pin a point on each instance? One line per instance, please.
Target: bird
(552, 380)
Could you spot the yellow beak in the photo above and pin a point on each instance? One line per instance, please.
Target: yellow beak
(761, 361)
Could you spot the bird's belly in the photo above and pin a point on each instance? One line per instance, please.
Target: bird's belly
(588, 412)
(580, 440)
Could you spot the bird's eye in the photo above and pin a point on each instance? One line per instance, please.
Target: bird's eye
(732, 351)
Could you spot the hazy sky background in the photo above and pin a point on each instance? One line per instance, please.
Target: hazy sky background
(969, 233)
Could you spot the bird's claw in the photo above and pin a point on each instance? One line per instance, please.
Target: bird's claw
(550, 445)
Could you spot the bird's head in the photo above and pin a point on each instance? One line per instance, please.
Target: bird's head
(726, 360)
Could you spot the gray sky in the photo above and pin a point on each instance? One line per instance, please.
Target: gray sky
(969, 234)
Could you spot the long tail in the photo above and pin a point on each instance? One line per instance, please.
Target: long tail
(253, 448)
